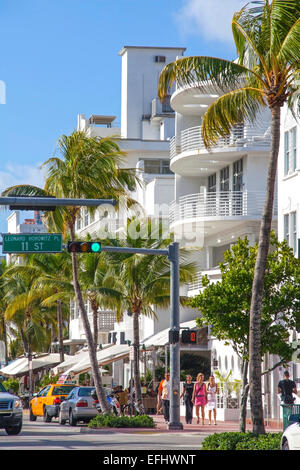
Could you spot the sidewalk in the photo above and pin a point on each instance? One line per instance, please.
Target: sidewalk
(161, 426)
(222, 426)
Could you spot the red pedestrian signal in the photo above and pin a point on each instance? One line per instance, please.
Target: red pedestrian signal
(84, 247)
(189, 336)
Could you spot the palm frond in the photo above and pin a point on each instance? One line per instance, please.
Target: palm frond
(210, 74)
(228, 110)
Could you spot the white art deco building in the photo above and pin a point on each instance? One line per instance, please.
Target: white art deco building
(289, 198)
(147, 126)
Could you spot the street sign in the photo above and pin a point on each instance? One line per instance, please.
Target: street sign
(32, 242)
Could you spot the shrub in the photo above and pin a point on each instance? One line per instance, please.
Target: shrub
(242, 441)
(12, 384)
(111, 421)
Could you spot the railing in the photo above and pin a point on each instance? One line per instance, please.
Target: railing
(196, 283)
(218, 204)
(241, 137)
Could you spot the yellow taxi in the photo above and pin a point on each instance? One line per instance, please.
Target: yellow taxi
(47, 401)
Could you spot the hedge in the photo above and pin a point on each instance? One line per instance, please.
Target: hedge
(242, 441)
(111, 421)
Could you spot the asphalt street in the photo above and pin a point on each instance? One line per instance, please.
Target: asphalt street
(52, 436)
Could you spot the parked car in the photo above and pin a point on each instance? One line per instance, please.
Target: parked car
(78, 406)
(290, 439)
(47, 402)
(11, 412)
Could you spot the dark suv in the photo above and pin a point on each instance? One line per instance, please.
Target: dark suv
(11, 412)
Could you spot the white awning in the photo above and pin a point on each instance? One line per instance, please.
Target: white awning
(20, 366)
(105, 356)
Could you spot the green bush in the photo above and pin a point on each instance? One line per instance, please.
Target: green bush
(111, 421)
(242, 441)
(12, 384)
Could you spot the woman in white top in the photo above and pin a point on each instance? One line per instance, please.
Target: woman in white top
(212, 390)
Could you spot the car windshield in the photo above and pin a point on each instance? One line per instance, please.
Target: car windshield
(85, 392)
(62, 390)
(2, 389)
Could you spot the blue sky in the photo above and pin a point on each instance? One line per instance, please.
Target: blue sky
(59, 58)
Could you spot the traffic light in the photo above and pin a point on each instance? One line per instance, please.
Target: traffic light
(189, 336)
(84, 247)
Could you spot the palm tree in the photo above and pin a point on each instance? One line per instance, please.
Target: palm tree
(93, 271)
(53, 282)
(264, 75)
(3, 306)
(25, 311)
(88, 168)
(140, 283)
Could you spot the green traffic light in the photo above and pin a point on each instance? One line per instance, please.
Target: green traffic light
(95, 247)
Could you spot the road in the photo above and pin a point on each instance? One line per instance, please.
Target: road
(52, 436)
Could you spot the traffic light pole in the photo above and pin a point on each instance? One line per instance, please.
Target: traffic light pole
(173, 255)
(41, 202)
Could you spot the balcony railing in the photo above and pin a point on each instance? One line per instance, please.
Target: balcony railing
(241, 137)
(219, 204)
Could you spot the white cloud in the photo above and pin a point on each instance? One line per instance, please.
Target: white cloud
(13, 174)
(208, 18)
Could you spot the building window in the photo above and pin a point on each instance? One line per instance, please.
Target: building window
(290, 230)
(212, 183)
(286, 152)
(294, 147)
(157, 167)
(238, 175)
(290, 151)
(294, 231)
(286, 224)
(224, 179)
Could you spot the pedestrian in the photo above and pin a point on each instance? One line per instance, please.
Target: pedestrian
(187, 395)
(164, 396)
(158, 402)
(286, 388)
(212, 391)
(199, 397)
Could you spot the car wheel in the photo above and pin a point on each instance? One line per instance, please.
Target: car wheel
(285, 445)
(72, 419)
(32, 417)
(13, 430)
(61, 420)
(47, 418)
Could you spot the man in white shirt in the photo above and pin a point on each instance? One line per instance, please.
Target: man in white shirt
(164, 392)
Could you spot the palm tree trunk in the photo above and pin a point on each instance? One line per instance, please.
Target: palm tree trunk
(4, 331)
(243, 412)
(94, 308)
(60, 332)
(258, 282)
(136, 360)
(87, 329)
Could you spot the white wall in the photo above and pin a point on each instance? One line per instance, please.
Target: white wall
(140, 74)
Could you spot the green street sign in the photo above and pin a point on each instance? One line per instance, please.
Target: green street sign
(32, 242)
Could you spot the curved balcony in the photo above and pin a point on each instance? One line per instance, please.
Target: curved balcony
(212, 209)
(189, 155)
